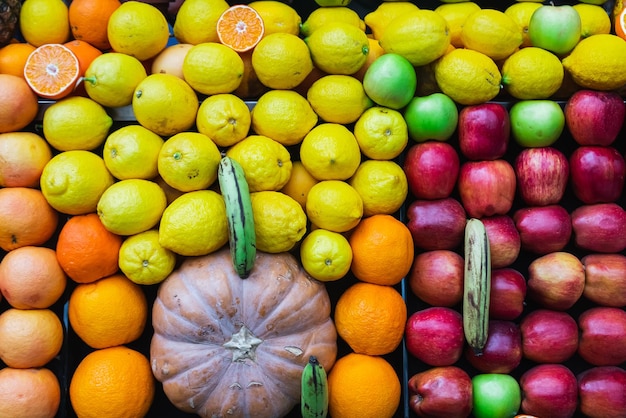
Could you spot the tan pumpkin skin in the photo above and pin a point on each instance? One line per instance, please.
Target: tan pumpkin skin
(201, 305)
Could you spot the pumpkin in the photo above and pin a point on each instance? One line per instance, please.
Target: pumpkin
(230, 347)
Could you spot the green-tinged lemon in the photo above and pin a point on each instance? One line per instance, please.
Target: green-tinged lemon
(338, 98)
(378, 19)
(334, 205)
(279, 221)
(330, 152)
(322, 15)
(338, 48)
(144, 260)
(532, 73)
(383, 186)
(382, 133)
(132, 151)
(456, 14)
(492, 32)
(111, 79)
(225, 118)
(281, 61)
(326, 255)
(213, 68)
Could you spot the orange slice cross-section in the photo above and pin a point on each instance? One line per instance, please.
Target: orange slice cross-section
(52, 71)
(240, 27)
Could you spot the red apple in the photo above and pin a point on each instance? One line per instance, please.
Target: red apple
(605, 279)
(549, 390)
(435, 336)
(484, 130)
(602, 336)
(441, 392)
(504, 240)
(486, 188)
(597, 174)
(436, 277)
(542, 175)
(508, 291)
(556, 280)
(502, 352)
(548, 336)
(431, 168)
(594, 117)
(436, 224)
(602, 392)
(543, 229)
(600, 227)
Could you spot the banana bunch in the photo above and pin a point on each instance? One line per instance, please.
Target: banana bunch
(242, 237)
(477, 284)
(314, 392)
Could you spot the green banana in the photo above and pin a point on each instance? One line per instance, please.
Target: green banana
(314, 392)
(241, 234)
(477, 285)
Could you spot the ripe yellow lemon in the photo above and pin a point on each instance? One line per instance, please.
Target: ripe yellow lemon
(196, 21)
(456, 14)
(188, 161)
(279, 221)
(492, 32)
(132, 151)
(299, 184)
(383, 186)
(194, 224)
(281, 61)
(73, 181)
(144, 260)
(334, 205)
(225, 118)
(378, 19)
(322, 15)
(76, 123)
(330, 152)
(338, 98)
(213, 68)
(594, 19)
(338, 48)
(326, 255)
(131, 206)
(277, 16)
(532, 73)
(382, 133)
(44, 22)
(521, 12)
(138, 29)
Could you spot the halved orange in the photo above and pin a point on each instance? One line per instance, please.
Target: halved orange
(52, 71)
(620, 24)
(240, 27)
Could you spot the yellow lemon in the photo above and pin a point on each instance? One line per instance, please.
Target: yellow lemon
(265, 162)
(132, 151)
(426, 25)
(188, 161)
(382, 133)
(194, 224)
(467, 76)
(330, 152)
(73, 181)
(170, 60)
(111, 79)
(299, 184)
(334, 205)
(322, 15)
(338, 98)
(521, 12)
(598, 62)
(283, 115)
(225, 118)
(144, 260)
(281, 61)
(76, 123)
(213, 68)
(131, 206)
(44, 22)
(532, 73)
(326, 255)
(277, 16)
(378, 19)
(165, 104)
(338, 48)
(279, 221)
(492, 32)
(594, 20)
(456, 14)
(196, 21)
(383, 186)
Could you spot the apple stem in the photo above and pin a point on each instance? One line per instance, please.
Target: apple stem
(478, 352)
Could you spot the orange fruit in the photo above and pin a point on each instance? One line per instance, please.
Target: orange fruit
(13, 57)
(23, 156)
(31, 277)
(52, 71)
(382, 249)
(29, 337)
(26, 218)
(112, 382)
(371, 318)
(620, 24)
(29, 393)
(89, 19)
(108, 312)
(299, 184)
(18, 103)
(85, 52)
(86, 250)
(363, 386)
(240, 27)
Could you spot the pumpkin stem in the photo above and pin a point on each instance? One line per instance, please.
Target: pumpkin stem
(243, 345)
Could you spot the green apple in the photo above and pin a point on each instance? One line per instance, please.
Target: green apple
(390, 81)
(555, 28)
(495, 396)
(536, 123)
(434, 116)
